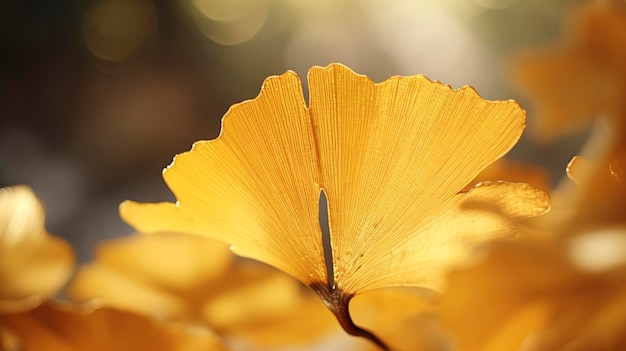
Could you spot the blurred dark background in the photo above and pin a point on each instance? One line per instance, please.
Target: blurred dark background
(97, 96)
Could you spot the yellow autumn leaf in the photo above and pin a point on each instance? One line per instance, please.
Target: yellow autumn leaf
(164, 274)
(597, 195)
(65, 327)
(581, 78)
(392, 159)
(564, 294)
(34, 265)
(193, 279)
(404, 318)
(514, 171)
(578, 168)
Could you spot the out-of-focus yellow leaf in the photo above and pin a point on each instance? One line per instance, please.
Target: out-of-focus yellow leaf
(516, 172)
(62, 327)
(33, 264)
(405, 318)
(599, 197)
(542, 295)
(307, 323)
(194, 279)
(166, 273)
(582, 78)
(484, 307)
(578, 168)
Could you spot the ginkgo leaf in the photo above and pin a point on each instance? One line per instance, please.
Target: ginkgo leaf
(33, 264)
(582, 77)
(515, 171)
(164, 274)
(563, 294)
(193, 279)
(405, 318)
(577, 169)
(65, 327)
(598, 194)
(392, 159)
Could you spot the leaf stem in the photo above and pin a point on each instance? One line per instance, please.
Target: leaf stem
(338, 302)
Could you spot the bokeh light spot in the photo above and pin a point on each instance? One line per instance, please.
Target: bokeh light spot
(600, 250)
(116, 30)
(232, 24)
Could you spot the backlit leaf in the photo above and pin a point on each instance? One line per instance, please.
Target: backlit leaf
(393, 159)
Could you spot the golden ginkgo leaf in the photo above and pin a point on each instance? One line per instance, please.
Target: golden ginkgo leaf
(578, 168)
(581, 78)
(404, 318)
(563, 294)
(33, 264)
(164, 274)
(64, 327)
(516, 172)
(597, 197)
(193, 279)
(392, 159)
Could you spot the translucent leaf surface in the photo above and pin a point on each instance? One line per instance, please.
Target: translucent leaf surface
(394, 160)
